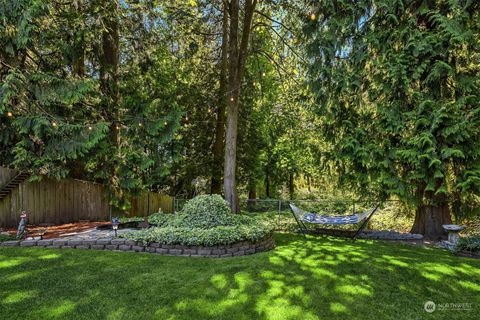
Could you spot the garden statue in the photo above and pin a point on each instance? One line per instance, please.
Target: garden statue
(22, 225)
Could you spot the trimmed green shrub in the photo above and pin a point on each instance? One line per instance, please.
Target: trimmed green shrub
(160, 219)
(206, 211)
(471, 244)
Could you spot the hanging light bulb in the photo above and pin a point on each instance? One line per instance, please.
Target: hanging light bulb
(9, 114)
(313, 17)
(231, 99)
(263, 74)
(140, 124)
(90, 128)
(165, 123)
(54, 124)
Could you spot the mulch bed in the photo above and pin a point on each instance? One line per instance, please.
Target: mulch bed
(63, 229)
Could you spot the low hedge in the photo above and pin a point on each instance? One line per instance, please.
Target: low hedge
(6, 237)
(242, 228)
(470, 244)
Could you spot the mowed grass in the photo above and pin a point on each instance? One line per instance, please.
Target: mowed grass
(321, 278)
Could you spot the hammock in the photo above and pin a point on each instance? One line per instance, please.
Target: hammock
(302, 216)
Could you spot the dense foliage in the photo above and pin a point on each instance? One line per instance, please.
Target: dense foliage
(205, 220)
(398, 89)
(175, 229)
(129, 93)
(471, 244)
(220, 235)
(206, 211)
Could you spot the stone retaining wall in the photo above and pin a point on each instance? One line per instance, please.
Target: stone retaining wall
(236, 249)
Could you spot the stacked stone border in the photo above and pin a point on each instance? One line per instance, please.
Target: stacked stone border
(117, 244)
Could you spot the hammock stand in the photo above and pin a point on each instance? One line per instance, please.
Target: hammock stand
(302, 217)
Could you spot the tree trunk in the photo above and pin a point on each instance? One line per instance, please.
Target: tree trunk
(78, 61)
(291, 186)
(219, 144)
(237, 58)
(429, 220)
(109, 66)
(267, 184)
(252, 191)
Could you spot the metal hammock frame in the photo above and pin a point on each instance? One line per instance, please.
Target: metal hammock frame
(314, 218)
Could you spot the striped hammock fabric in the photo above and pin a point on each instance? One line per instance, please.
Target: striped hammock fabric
(321, 219)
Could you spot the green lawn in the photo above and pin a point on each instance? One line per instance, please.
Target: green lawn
(322, 278)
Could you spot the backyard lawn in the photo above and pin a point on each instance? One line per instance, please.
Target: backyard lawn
(321, 278)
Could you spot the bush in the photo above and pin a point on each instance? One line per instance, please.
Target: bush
(7, 237)
(242, 228)
(160, 219)
(471, 244)
(206, 211)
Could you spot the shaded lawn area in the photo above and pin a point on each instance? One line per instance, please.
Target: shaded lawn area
(322, 278)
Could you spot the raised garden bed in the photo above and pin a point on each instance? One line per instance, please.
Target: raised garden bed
(236, 249)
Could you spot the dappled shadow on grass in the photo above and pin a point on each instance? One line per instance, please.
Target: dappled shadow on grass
(320, 278)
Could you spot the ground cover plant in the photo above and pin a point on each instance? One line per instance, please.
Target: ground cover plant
(471, 244)
(204, 221)
(320, 278)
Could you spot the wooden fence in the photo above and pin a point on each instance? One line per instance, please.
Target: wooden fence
(56, 202)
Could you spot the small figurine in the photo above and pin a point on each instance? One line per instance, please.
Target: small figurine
(22, 225)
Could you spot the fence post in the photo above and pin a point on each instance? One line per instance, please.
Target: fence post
(279, 209)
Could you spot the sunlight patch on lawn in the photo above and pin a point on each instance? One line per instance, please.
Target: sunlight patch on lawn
(19, 275)
(275, 260)
(20, 296)
(50, 256)
(337, 307)
(354, 289)
(10, 263)
(219, 281)
(395, 261)
(469, 285)
(281, 309)
(65, 307)
(243, 280)
(117, 314)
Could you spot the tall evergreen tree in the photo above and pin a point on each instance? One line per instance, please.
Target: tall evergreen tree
(398, 85)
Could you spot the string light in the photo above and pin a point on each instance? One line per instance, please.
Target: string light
(263, 74)
(54, 124)
(90, 128)
(140, 124)
(117, 127)
(9, 114)
(231, 99)
(313, 17)
(165, 123)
